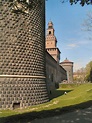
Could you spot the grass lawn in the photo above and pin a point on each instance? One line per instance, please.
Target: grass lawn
(59, 101)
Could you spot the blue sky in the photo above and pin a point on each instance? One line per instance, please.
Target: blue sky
(73, 41)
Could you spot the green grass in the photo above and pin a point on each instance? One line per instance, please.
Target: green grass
(72, 85)
(80, 94)
(74, 96)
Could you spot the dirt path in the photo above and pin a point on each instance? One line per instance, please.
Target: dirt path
(77, 116)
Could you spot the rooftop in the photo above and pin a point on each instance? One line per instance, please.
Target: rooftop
(66, 61)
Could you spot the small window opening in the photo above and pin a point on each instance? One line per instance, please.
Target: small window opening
(49, 32)
(16, 105)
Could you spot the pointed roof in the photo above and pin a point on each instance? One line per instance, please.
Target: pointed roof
(66, 61)
(50, 22)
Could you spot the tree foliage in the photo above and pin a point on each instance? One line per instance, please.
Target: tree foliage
(89, 71)
(87, 25)
(82, 2)
(91, 75)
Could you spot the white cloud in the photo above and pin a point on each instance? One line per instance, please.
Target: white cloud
(72, 45)
(84, 42)
(78, 43)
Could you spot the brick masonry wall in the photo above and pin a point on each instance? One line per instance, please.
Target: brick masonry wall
(22, 51)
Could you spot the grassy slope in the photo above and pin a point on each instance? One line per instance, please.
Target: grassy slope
(80, 94)
(83, 93)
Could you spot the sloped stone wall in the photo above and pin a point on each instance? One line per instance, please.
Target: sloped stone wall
(22, 55)
(26, 91)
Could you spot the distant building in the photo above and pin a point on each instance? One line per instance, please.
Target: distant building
(68, 66)
(55, 73)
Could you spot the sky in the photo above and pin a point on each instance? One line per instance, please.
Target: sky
(73, 41)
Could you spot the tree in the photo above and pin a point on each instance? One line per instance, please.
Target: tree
(79, 75)
(87, 25)
(91, 75)
(82, 2)
(88, 22)
(89, 71)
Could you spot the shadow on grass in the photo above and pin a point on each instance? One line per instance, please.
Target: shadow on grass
(28, 117)
(57, 93)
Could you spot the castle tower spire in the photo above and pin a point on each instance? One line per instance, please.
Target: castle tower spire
(50, 30)
(51, 42)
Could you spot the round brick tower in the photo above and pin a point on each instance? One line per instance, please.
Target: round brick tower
(22, 51)
(68, 66)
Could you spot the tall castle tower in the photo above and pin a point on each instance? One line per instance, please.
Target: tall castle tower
(51, 42)
(22, 51)
(68, 66)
